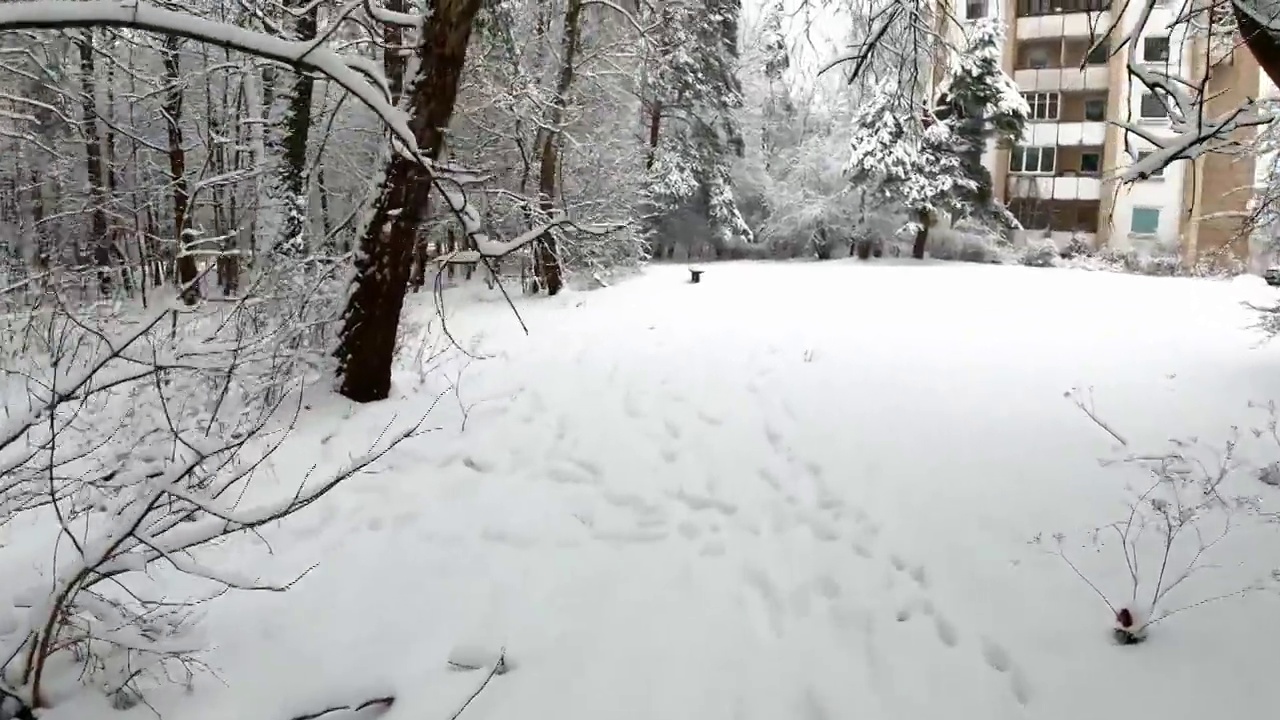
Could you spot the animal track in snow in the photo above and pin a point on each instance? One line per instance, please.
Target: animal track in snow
(920, 576)
(571, 475)
(827, 586)
(763, 602)
(775, 439)
(631, 407)
(820, 528)
(897, 562)
(621, 499)
(710, 419)
(946, 631)
(630, 537)
(689, 530)
(508, 537)
(673, 430)
(669, 454)
(996, 656)
(862, 550)
(814, 706)
(703, 502)
(770, 479)
(479, 465)
(713, 548)
(1020, 687)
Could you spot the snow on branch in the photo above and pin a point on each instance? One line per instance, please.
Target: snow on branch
(354, 74)
(1194, 133)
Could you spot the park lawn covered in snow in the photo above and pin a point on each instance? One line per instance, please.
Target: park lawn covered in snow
(795, 490)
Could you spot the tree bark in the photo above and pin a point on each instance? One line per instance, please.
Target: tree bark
(292, 182)
(546, 262)
(185, 263)
(101, 240)
(924, 217)
(366, 347)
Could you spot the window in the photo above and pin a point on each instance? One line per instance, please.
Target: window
(1152, 107)
(1044, 106)
(1090, 163)
(1144, 221)
(1033, 159)
(1155, 50)
(1143, 155)
(1098, 55)
(1095, 109)
(1037, 58)
(975, 9)
(1032, 213)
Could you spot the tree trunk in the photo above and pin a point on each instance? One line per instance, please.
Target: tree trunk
(546, 261)
(1263, 43)
(100, 238)
(366, 347)
(294, 188)
(186, 263)
(924, 217)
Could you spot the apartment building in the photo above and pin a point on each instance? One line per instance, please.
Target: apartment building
(1059, 181)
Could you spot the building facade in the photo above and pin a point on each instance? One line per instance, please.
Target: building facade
(1060, 180)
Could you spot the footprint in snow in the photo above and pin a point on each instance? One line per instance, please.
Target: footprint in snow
(673, 430)
(918, 574)
(996, 657)
(479, 465)
(946, 631)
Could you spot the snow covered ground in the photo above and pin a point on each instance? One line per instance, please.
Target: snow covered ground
(798, 490)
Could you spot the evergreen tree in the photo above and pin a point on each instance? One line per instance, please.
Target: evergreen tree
(935, 164)
(980, 104)
(699, 94)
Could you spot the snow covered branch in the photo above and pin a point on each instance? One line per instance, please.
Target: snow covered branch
(354, 74)
(1193, 132)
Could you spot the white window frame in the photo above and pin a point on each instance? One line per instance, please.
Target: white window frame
(1034, 98)
(1039, 153)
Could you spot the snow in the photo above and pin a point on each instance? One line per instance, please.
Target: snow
(792, 490)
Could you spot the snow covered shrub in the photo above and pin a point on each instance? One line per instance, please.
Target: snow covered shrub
(1076, 247)
(132, 436)
(1175, 526)
(1039, 252)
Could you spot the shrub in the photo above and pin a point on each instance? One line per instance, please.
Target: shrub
(1040, 252)
(1076, 247)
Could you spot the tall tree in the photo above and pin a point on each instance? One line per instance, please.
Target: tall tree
(697, 93)
(367, 340)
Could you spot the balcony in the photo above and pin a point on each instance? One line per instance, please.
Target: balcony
(1055, 187)
(1070, 25)
(1065, 133)
(1055, 64)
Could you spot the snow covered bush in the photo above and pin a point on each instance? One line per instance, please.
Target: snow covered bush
(1040, 252)
(1175, 528)
(1076, 247)
(128, 449)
